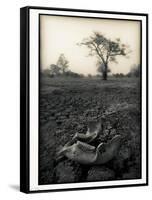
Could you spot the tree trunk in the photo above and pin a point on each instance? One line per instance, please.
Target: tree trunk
(105, 73)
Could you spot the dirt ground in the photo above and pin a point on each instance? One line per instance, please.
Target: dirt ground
(66, 107)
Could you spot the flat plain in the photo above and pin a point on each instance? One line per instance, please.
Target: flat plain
(67, 105)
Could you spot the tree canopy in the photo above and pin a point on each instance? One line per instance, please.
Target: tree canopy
(62, 63)
(105, 49)
(61, 67)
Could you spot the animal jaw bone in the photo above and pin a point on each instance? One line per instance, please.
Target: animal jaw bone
(94, 128)
(87, 154)
(108, 151)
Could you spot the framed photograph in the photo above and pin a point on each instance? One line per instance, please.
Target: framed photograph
(84, 99)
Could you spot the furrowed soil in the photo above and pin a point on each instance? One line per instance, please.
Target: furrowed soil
(66, 107)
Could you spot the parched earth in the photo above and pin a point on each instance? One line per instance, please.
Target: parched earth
(66, 107)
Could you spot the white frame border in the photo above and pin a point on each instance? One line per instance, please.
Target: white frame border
(34, 72)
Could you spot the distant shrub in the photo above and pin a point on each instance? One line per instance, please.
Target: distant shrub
(54, 69)
(98, 76)
(72, 74)
(135, 71)
(119, 75)
(89, 76)
(45, 72)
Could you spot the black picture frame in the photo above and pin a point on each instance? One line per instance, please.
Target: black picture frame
(25, 95)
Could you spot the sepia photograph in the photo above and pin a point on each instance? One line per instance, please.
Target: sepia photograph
(90, 99)
(87, 99)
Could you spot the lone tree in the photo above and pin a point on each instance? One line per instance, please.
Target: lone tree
(105, 49)
(62, 63)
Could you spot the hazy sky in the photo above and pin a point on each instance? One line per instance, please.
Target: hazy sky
(61, 34)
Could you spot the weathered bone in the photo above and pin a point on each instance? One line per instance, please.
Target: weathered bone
(87, 154)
